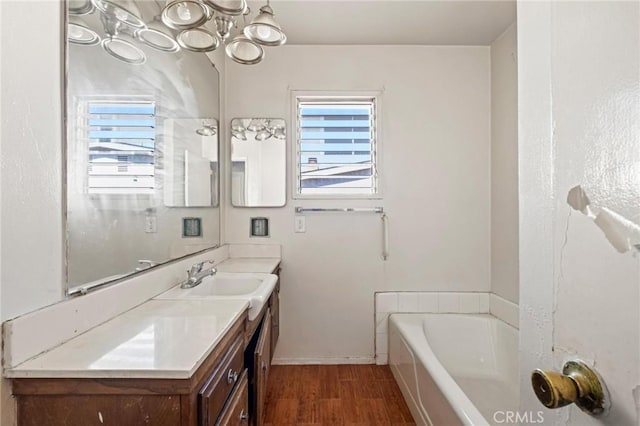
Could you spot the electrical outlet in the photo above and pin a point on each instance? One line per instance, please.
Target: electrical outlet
(300, 224)
(151, 224)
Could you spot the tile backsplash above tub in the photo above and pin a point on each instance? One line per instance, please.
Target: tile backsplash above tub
(387, 303)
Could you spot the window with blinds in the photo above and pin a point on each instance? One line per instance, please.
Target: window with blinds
(336, 146)
(122, 137)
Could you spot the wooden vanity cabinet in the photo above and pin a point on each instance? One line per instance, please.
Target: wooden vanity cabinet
(262, 366)
(236, 412)
(204, 398)
(274, 305)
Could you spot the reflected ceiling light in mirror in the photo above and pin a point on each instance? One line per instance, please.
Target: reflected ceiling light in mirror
(228, 7)
(256, 125)
(185, 14)
(124, 51)
(244, 51)
(80, 7)
(188, 17)
(79, 34)
(264, 29)
(263, 135)
(207, 129)
(239, 134)
(128, 15)
(198, 40)
(157, 40)
(278, 133)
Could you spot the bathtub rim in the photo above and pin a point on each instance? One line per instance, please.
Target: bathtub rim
(455, 396)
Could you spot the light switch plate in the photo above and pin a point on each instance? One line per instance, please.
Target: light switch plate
(300, 224)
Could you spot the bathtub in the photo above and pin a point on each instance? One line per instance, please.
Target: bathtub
(455, 369)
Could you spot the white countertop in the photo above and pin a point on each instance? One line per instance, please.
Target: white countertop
(265, 265)
(158, 339)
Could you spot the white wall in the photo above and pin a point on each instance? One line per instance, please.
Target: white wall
(504, 165)
(435, 134)
(31, 162)
(580, 298)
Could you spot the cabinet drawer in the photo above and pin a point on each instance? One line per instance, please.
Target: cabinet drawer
(236, 412)
(217, 388)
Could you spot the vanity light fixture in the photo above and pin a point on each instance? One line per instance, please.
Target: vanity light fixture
(198, 40)
(113, 44)
(179, 24)
(79, 34)
(207, 130)
(264, 29)
(263, 135)
(185, 14)
(157, 40)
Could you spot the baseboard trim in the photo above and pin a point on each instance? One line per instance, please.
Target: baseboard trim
(323, 361)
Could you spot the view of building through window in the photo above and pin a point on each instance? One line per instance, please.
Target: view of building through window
(336, 146)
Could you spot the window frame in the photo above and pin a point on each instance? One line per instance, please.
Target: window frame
(338, 96)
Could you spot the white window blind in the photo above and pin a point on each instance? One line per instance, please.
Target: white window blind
(336, 146)
(122, 137)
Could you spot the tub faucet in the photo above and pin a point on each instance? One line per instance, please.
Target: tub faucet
(196, 274)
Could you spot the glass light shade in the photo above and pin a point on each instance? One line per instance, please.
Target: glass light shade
(127, 16)
(80, 7)
(79, 34)
(239, 134)
(265, 30)
(124, 51)
(228, 7)
(207, 130)
(263, 135)
(184, 14)
(255, 125)
(244, 51)
(198, 40)
(279, 133)
(157, 40)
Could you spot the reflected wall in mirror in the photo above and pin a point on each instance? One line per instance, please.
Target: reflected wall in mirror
(142, 143)
(258, 162)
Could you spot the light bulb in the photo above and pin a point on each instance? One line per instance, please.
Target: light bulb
(121, 15)
(184, 12)
(264, 32)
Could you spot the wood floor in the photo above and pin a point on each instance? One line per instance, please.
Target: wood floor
(349, 395)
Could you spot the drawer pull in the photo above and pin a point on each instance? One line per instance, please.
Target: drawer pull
(232, 376)
(243, 416)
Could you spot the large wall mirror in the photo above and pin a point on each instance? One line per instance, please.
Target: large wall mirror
(142, 143)
(258, 162)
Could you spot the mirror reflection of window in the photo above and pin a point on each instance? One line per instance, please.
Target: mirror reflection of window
(121, 148)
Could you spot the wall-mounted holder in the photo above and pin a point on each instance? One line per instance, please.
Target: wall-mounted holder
(578, 383)
(191, 227)
(259, 227)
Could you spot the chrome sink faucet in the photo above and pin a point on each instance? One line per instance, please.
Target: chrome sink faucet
(196, 274)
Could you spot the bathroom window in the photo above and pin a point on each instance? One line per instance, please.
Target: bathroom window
(336, 147)
(121, 146)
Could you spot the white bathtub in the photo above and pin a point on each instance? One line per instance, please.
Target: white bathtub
(455, 368)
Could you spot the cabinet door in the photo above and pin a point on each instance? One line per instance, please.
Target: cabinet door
(275, 321)
(262, 359)
(215, 391)
(236, 412)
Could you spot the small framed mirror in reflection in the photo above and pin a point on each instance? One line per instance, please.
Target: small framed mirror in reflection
(258, 162)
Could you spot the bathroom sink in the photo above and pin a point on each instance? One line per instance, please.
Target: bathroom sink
(254, 287)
